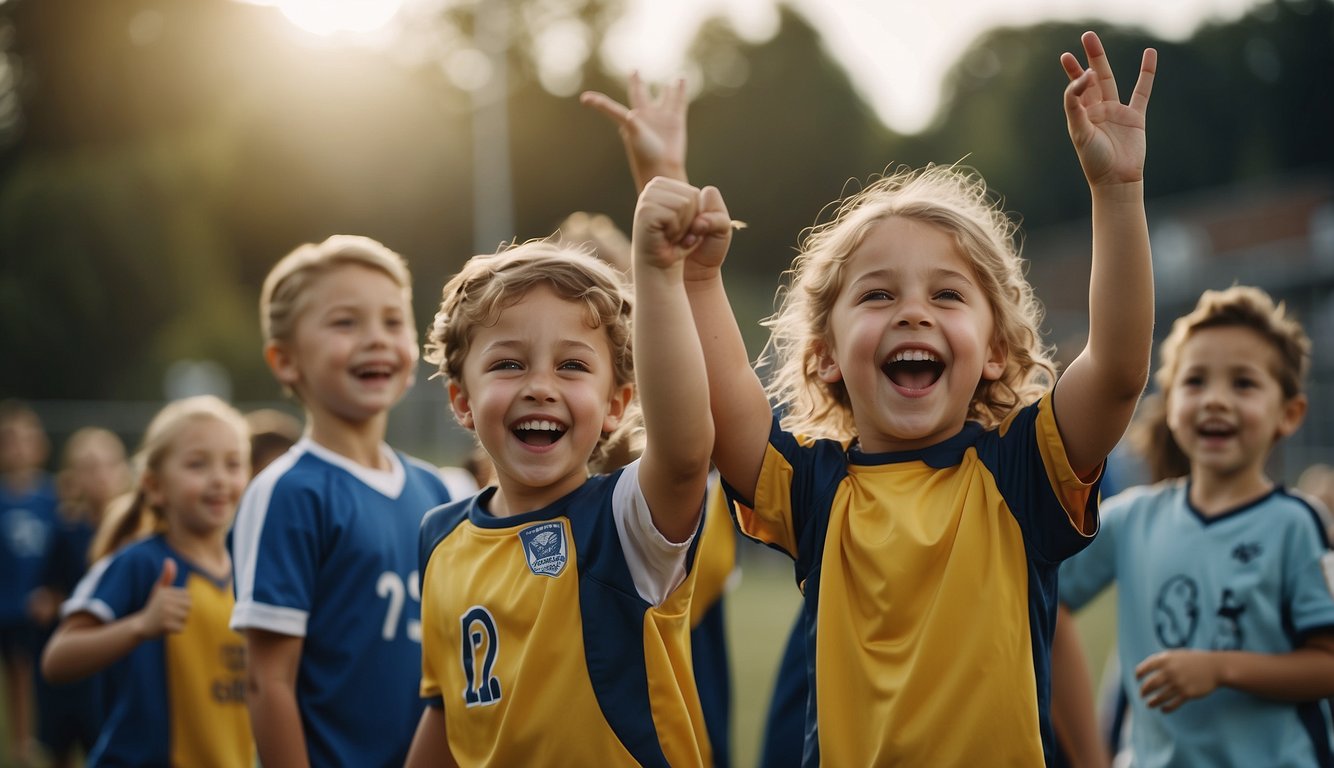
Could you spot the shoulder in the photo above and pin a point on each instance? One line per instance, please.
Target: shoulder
(441, 521)
(1303, 511)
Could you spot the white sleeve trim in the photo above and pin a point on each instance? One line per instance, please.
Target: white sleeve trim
(271, 618)
(658, 566)
(82, 598)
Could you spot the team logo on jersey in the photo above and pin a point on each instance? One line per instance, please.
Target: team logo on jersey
(544, 547)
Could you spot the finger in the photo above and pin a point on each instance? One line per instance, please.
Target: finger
(1139, 100)
(1097, 57)
(675, 96)
(637, 93)
(1071, 66)
(168, 576)
(1075, 92)
(601, 102)
(711, 201)
(1149, 665)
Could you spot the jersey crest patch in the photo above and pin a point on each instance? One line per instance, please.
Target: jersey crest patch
(544, 548)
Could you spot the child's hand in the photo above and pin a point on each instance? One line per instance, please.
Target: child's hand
(714, 227)
(1171, 678)
(168, 606)
(664, 217)
(1108, 135)
(653, 130)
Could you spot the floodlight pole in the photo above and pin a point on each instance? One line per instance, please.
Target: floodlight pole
(493, 200)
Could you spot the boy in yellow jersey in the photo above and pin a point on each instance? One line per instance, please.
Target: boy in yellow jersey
(556, 604)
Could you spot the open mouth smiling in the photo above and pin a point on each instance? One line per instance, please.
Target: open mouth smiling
(913, 369)
(373, 372)
(538, 432)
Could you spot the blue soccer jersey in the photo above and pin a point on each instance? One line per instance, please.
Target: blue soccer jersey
(178, 699)
(561, 636)
(326, 549)
(27, 529)
(930, 588)
(1253, 579)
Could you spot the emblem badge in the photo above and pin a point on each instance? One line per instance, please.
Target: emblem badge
(544, 548)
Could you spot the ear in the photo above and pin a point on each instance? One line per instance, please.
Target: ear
(152, 489)
(997, 356)
(461, 405)
(282, 362)
(825, 364)
(1294, 413)
(616, 406)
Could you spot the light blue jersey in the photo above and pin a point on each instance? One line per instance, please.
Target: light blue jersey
(326, 549)
(1252, 579)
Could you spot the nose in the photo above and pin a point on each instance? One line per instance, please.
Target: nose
(912, 313)
(539, 386)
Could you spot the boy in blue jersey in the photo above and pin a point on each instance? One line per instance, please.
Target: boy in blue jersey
(27, 527)
(325, 539)
(1225, 618)
(917, 475)
(556, 605)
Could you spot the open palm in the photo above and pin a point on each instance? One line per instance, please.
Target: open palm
(1108, 135)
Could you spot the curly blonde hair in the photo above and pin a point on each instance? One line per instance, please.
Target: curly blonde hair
(956, 201)
(490, 283)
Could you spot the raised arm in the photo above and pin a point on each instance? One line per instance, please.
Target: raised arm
(653, 129)
(672, 219)
(1096, 396)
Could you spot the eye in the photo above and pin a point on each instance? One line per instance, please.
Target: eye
(505, 365)
(948, 294)
(1193, 380)
(393, 322)
(573, 365)
(1245, 382)
(342, 322)
(875, 294)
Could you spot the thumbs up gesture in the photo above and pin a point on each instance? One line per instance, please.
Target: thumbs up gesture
(168, 606)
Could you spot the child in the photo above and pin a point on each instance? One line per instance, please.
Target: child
(154, 615)
(27, 527)
(94, 471)
(567, 596)
(918, 476)
(1225, 621)
(325, 538)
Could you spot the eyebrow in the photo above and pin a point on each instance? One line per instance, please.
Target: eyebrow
(506, 344)
(935, 273)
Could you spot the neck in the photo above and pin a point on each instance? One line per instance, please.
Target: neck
(513, 498)
(207, 551)
(1213, 494)
(359, 442)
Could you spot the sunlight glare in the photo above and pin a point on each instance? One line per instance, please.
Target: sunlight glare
(329, 17)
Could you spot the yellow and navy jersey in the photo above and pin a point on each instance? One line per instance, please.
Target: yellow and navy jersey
(538, 639)
(179, 699)
(929, 580)
(715, 561)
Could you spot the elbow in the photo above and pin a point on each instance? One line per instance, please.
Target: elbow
(53, 671)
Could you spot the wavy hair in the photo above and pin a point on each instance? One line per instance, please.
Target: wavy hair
(954, 200)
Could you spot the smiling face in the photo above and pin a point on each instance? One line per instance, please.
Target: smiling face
(353, 349)
(1225, 406)
(910, 336)
(199, 480)
(539, 389)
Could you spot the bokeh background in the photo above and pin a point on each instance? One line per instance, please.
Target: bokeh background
(157, 157)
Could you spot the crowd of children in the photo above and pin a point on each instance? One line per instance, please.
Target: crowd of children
(265, 590)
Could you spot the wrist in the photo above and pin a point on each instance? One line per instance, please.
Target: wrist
(1118, 193)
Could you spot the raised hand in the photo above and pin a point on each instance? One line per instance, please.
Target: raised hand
(653, 129)
(675, 222)
(1108, 135)
(168, 607)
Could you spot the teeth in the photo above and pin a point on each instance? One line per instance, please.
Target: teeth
(913, 356)
(535, 425)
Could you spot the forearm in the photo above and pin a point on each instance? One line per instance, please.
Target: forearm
(741, 413)
(430, 744)
(1073, 713)
(275, 720)
(1121, 293)
(1306, 674)
(674, 396)
(85, 646)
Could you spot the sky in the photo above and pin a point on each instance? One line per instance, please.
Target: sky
(896, 51)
